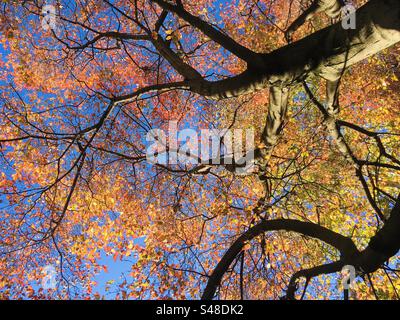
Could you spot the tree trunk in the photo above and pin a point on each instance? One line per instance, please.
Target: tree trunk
(326, 53)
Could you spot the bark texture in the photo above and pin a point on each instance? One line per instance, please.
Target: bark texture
(326, 53)
(381, 247)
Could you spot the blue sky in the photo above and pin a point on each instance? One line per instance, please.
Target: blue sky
(118, 269)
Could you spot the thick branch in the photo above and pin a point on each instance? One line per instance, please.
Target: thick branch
(384, 245)
(340, 242)
(311, 273)
(222, 39)
(326, 53)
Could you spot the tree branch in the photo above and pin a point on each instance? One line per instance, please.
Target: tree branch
(343, 244)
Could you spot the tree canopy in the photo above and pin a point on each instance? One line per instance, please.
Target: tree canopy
(84, 82)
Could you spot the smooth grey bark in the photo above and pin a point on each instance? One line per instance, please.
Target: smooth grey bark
(325, 53)
(381, 247)
(338, 241)
(384, 245)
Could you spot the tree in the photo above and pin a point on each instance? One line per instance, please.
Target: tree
(83, 85)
